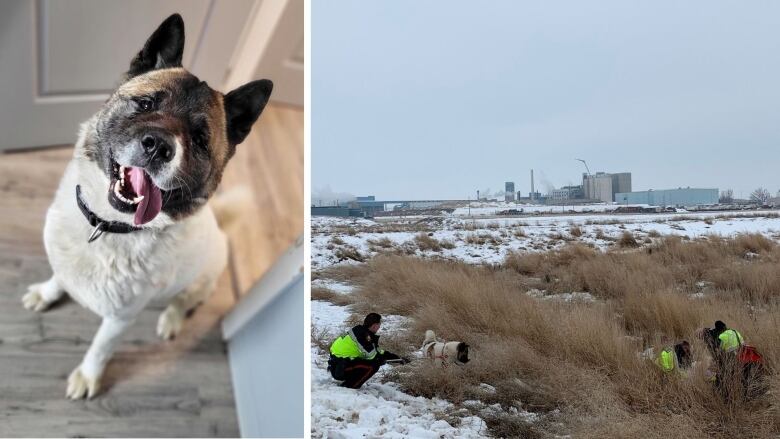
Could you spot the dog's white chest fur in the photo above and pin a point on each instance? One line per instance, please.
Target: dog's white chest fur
(118, 274)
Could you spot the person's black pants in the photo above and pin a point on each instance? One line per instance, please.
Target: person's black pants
(353, 372)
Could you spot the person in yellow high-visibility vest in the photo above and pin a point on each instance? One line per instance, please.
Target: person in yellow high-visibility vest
(728, 339)
(356, 356)
(724, 344)
(677, 357)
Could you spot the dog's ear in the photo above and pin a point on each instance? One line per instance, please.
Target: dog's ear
(463, 352)
(243, 106)
(162, 50)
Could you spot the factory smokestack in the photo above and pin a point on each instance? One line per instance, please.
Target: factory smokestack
(532, 185)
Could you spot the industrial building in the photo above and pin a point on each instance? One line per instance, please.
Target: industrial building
(341, 211)
(369, 207)
(567, 193)
(533, 197)
(670, 197)
(603, 186)
(509, 191)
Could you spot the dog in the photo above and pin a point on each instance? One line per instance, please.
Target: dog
(130, 221)
(442, 354)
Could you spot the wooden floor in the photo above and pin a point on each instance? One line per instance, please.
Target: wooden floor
(152, 388)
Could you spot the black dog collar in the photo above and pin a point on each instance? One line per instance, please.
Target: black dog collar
(100, 224)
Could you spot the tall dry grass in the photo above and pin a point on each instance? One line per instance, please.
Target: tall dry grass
(426, 242)
(577, 363)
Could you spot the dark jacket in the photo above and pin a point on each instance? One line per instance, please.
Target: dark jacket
(370, 341)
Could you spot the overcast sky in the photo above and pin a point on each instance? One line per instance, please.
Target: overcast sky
(437, 99)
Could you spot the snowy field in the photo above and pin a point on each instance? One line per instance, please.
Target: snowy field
(488, 240)
(380, 409)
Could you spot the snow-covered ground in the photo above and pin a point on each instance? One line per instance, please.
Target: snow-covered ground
(377, 409)
(488, 240)
(381, 409)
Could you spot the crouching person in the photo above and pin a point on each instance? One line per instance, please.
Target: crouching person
(675, 358)
(356, 356)
(734, 360)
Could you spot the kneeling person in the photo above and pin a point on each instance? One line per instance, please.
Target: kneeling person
(677, 357)
(356, 356)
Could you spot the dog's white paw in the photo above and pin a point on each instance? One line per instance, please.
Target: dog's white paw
(34, 300)
(169, 324)
(79, 386)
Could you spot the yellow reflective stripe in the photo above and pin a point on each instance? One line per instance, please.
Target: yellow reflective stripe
(347, 346)
(368, 355)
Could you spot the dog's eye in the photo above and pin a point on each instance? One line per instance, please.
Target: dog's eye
(145, 104)
(199, 139)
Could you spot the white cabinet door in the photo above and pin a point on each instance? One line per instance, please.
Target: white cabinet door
(59, 59)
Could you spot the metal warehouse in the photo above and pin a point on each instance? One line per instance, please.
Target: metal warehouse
(669, 197)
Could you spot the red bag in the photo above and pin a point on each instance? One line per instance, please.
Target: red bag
(748, 355)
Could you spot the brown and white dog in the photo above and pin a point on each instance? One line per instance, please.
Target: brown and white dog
(442, 354)
(130, 221)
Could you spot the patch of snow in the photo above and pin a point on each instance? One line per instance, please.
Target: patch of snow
(392, 323)
(497, 410)
(563, 297)
(572, 297)
(486, 240)
(647, 354)
(380, 410)
(328, 317)
(473, 403)
(335, 286)
(534, 292)
(487, 388)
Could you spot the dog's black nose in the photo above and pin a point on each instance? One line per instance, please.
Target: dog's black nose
(157, 147)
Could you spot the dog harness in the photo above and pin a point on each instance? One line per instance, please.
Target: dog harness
(443, 357)
(100, 224)
(430, 351)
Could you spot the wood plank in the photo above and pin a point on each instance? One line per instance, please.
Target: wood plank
(270, 162)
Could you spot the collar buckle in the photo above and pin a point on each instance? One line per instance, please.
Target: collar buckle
(100, 224)
(97, 232)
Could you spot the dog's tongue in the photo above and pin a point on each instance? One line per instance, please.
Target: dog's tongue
(150, 206)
